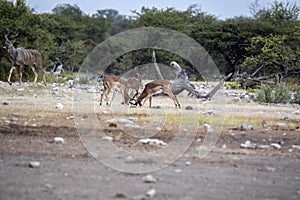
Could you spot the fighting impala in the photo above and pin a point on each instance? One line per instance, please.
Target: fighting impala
(127, 86)
(23, 57)
(153, 87)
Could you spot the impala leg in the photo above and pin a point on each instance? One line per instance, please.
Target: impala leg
(107, 95)
(172, 96)
(102, 94)
(146, 98)
(10, 72)
(150, 101)
(101, 97)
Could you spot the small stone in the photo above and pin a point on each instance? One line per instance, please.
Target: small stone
(70, 117)
(189, 108)
(59, 140)
(14, 119)
(153, 142)
(149, 179)
(112, 125)
(21, 89)
(5, 103)
(187, 163)
(286, 118)
(59, 106)
(151, 193)
(296, 112)
(34, 164)
(264, 146)
(178, 170)
(280, 125)
(133, 126)
(55, 89)
(48, 186)
(270, 169)
(108, 138)
(207, 128)
(248, 145)
(158, 128)
(276, 145)
(296, 146)
(119, 120)
(139, 197)
(246, 127)
(208, 113)
(120, 195)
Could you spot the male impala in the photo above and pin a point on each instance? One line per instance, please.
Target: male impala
(154, 87)
(125, 85)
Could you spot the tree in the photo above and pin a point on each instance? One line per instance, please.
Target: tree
(271, 56)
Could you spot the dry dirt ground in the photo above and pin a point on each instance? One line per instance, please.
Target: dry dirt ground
(29, 122)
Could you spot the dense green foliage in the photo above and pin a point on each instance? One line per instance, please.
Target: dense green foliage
(278, 94)
(270, 39)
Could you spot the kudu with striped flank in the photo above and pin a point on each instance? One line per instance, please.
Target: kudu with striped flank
(23, 57)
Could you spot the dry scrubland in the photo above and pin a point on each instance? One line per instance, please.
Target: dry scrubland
(30, 119)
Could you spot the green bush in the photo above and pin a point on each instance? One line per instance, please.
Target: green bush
(83, 78)
(278, 94)
(297, 95)
(232, 85)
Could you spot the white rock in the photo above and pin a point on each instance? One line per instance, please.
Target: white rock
(132, 126)
(151, 193)
(70, 117)
(207, 128)
(21, 89)
(55, 89)
(280, 125)
(14, 119)
(153, 142)
(248, 145)
(187, 163)
(296, 112)
(59, 106)
(158, 128)
(59, 140)
(246, 127)
(149, 179)
(34, 164)
(264, 146)
(178, 170)
(119, 120)
(107, 138)
(296, 146)
(276, 145)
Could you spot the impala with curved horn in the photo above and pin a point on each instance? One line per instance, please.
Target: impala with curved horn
(154, 87)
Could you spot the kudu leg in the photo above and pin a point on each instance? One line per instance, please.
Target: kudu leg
(10, 72)
(21, 74)
(44, 75)
(35, 74)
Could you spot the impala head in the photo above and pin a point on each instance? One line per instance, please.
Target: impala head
(100, 78)
(135, 99)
